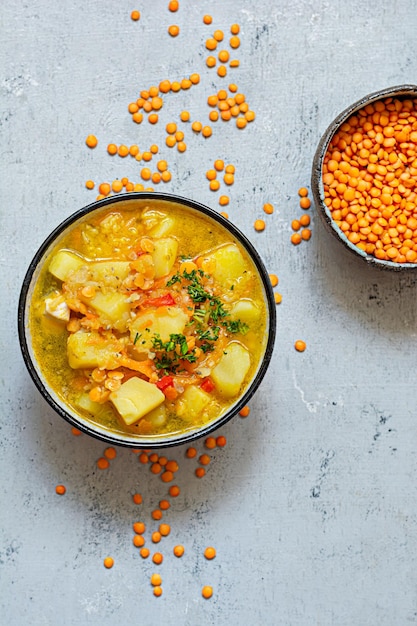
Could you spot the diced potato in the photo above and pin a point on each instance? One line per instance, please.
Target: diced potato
(63, 263)
(90, 349)
(229, 373)
(104, 413)
(192, 403)
(163, 228)
(158, 416)
(164, 255)
(113, 308)
(229, 263)
(135, 398)
(84, 402)
(101, 271)
(157, 223)
(171, 321)
(245, 310)
(57, 307)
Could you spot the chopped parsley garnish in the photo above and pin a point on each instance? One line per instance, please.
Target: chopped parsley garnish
(236, 326)
(168, 357)
(206, 319)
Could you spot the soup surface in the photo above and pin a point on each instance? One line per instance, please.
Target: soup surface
(148, 319)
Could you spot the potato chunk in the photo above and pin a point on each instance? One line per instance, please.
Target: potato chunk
(171, 320)
(109, 271)
(164, 255)
(229, 264)
(245, 310)
(192, 403)
(157, 223)
(229, 373)
(135, 398)
(90, 349)
(113, 308)
(63, 263)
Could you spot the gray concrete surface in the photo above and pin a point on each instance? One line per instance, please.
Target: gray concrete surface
(312, 504)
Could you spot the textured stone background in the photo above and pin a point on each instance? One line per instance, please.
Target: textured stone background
(312, 504)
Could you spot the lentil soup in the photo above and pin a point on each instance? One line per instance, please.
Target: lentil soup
(148, 319)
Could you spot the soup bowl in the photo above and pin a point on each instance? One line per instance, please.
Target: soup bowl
(364, 178)
(146, 320)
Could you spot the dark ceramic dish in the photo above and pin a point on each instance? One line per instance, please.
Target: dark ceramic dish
(35, 371)
(407, 91)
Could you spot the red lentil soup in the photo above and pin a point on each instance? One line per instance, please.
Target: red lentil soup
(148, 318)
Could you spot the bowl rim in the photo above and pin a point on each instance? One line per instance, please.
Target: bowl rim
(317, 183)
(109, 437)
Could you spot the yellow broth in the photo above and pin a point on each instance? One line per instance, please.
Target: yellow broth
(152, 293)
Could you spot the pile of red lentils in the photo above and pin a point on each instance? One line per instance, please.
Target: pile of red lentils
(370, 179)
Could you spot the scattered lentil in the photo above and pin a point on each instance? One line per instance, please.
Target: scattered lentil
(102, 463)
(174, 30)
(138, 541)
(178, 551)
(157, 558)
(300, 345)
(210, 553)
(244, 412)
(110, 453)
(91, 141)
(274, 279)
(268, 208)
(137, 498)
(164, 529)
(139, 528)
(207, 592)
(174, 491)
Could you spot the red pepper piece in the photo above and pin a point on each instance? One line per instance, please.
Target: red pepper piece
(164, 382)
(207, 385)
(166, 300)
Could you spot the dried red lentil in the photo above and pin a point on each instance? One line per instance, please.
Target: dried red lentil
(207, 592)
(300, 345)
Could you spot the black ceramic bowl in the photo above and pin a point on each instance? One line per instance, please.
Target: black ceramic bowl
(55, 400)
(401, 91)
